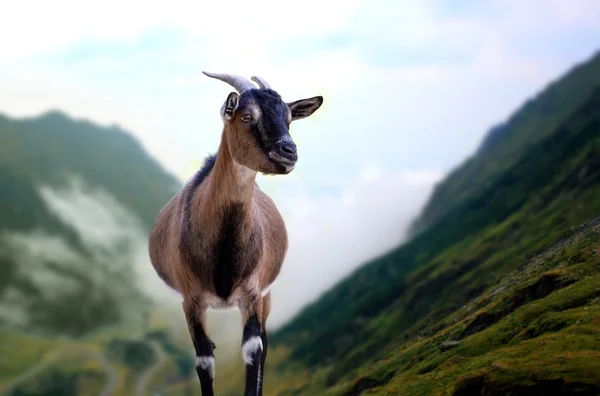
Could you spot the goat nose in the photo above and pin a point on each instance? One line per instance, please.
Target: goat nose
(289, 148)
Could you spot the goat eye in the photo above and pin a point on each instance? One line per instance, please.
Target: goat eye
(246, 118)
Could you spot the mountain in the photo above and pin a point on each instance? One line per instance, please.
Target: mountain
(79, 313)
(506, 143)
(497, 292)
(78, 202)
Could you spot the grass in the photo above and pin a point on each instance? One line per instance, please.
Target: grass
(509, 277)
(549, 341)
(18, 351)
(70, 366)
(499, 295)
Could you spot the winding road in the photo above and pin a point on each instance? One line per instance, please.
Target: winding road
(144, 380)
(112, 378)
(111, 374)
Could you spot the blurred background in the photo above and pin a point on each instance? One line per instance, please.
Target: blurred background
(104, 114)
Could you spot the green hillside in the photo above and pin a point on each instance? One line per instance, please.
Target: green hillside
(538, 118)
(78, 200)
(518, 311)
(120, 362)
(47, 148)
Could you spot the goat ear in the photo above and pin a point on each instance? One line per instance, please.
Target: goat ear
(305, 107)
(230, 106)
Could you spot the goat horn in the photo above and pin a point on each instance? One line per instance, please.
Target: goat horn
(239, 83)
(261, 82)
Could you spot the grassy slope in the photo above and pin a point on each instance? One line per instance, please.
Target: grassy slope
(46, 148)
(59, 359)
(537, 119)
(70, 367)
(43, 150)
(538, 328)
(467, 254)
(381, 282)
(523, 319)
(476, 276)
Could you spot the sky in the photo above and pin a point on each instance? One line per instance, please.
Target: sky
(410, 89)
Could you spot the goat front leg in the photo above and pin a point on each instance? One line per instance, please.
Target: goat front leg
(252, 343)
(195, 315)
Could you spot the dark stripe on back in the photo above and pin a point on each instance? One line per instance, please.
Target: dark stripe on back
(231, 249)
(186, 228)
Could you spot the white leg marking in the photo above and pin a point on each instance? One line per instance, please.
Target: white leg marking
(206, 363)
(251, 346)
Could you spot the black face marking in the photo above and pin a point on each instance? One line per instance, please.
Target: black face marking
(231, 251)
(273, 124)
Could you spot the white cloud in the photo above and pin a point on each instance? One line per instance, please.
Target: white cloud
(407, 86)
(239, 28)
(331, 236)
(393, 68)
(99, 219)
(115, 257)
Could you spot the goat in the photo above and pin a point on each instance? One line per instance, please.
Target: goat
(220, 242)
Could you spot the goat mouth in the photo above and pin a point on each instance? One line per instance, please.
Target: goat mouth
(281, 160)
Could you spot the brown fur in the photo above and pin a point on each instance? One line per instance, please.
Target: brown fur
(228, 183)
(220, 242)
